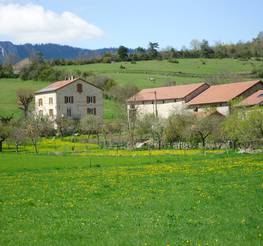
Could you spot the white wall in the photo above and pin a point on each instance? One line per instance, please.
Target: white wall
(224, 110)
(164, 109)
(46, 106)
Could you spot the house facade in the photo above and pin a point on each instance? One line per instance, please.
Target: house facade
(72, 98)
(164, 101)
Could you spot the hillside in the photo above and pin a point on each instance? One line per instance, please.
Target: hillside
(157, 73)
(49, 51)
(142, 74)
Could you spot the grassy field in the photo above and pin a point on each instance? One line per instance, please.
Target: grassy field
(175, 199)
(139, 74)
(186, 71)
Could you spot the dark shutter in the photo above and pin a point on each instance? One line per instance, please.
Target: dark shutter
(94, 111)
(94, 99)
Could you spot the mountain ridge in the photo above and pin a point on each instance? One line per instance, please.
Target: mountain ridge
(50, 51)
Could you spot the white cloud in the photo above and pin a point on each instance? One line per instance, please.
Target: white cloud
(34, 24)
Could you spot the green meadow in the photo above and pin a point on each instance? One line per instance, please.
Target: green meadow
(186, 71)
(131, 198)
(143, 74)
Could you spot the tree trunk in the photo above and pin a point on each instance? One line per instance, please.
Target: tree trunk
(159, 144)
(1, 145)
(98, 139)
(17, 148)
(35, 146)
(203, 143)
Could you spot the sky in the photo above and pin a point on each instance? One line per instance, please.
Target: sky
(96, 24)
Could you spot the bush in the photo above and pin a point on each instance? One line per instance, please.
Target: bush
(173, 60)
(40, 71)
(258, 72)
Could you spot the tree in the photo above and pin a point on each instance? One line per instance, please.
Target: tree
(254, 123)
(24, 98)
(36, 127)
(178, 127)
(205, 126)
(123, 53)
(152, 50)
(151, 126)
(206, 50)
(195, 44)
(65, 126)
(5, 128)
(233, 127)
(91, 124)
(18, 133)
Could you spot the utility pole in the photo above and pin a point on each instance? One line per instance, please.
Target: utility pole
(155, 102)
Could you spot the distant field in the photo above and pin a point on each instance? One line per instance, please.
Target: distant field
(186, 199)
(140, 74)
(186, 71)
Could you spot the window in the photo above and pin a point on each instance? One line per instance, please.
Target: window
(91, 99)
(196, 109)
(40, 112)
(51, 113)
(69, 99)
(40, 102)
(69, 112)
(50, 100)
(79, 88)
(92, 111)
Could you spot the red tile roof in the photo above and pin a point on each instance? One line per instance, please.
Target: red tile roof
(254, 99)
(222, 93)
(60, 84)
(165, 93)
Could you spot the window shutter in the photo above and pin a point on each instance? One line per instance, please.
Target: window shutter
(94, 99)
(94, 111)
(65, 99)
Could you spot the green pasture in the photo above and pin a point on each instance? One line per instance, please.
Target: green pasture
(186, 71)
(141, 198)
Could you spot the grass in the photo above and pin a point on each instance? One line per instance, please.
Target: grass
(186, 71)
(131, 200)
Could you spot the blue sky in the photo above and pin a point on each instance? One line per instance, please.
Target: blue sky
(171, 23)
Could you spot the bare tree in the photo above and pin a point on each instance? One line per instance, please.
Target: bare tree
(5, 128)
(206, 126)
(36, 126)
(65, 126)
(24, 98)
(18, 133)
(91, 124)
(195, 44)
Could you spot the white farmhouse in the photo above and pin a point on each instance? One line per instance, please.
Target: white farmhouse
(72, 98)
(164, 101)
